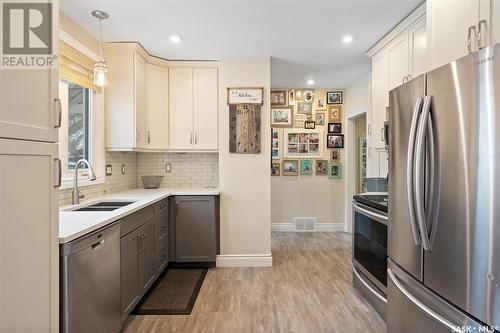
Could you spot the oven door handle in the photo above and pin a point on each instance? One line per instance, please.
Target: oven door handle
(369, 213)
(383, 299)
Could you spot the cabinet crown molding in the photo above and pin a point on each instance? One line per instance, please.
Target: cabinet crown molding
(402, 26)
(152, 59)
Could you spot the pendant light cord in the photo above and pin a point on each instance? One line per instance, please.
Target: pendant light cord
(100, 39)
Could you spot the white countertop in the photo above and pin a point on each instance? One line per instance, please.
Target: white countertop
(74, 224)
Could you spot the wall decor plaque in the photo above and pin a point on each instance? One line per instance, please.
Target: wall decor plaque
(304, 143)
(244, 129)
(245, 96)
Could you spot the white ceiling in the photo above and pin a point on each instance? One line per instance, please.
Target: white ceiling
(302, 37)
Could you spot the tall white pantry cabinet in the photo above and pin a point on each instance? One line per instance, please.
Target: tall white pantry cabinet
(30, 173)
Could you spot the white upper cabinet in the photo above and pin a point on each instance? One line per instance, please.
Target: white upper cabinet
(380, 98)
(397, 52)
(193, 108)
(457, 28)
(153, 105)
(30, 108)
(396, 59)
(417, 39)
(156, 107)
(181, 108)
(205, 109)
(140, 100)
(125, 97)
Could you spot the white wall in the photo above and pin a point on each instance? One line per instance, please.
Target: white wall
(357, 102)
(309, 196)
(244, 179)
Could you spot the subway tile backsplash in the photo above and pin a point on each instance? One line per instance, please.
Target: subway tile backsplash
(187, 170)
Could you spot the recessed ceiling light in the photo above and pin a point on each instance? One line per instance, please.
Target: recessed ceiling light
(347, 39)
(175, 39)
(310, 82)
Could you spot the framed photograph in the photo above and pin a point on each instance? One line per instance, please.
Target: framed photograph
(334, 97)
(302, 143)
(335, 155)
(334, 170)
(282, 117)
(321, 167)
(334, 113)
(275, 169)
(308, 95)
(290, 167)
(320, 104)
(309, 124)
(304, 108)
(335, 128)
(335, 140)
(306, 167)
(291, 96)
(298, 120)
(320, 118)
(245, 96)
(278, 98)
(275, 143)
(299, 95)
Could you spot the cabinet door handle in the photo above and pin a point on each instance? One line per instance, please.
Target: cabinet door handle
(58, 104)
(370, 129)
(138, 138)
(149, 137)
(191, 138)
(469, 37)
(59, 172)
(382, 136)
(480, 35)
(196, 138)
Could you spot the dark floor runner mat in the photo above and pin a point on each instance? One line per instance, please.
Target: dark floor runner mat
(174, 293)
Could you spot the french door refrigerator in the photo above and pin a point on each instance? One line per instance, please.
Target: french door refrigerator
(444, 199)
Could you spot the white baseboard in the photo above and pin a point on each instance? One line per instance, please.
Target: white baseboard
(321, 227)
(245, 260)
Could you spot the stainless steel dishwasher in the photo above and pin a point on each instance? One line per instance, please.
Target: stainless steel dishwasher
(90, 283)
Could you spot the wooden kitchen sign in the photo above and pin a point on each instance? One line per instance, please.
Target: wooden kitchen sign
(244, 129)
(245, 96)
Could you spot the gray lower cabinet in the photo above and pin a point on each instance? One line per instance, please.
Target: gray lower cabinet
(196, 230)
(129, 272)
(139, 253)
(147, 256)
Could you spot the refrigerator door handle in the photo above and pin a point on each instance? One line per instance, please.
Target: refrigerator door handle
(433, 189)
(422, 306)
(409, 170)
(419, 172)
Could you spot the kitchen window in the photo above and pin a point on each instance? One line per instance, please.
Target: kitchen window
(81, 135)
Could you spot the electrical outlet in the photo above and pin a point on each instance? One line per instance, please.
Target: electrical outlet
(123, 169)
(168, 167)
(109, 170)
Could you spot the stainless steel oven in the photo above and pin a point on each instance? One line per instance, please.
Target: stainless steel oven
(369, 253)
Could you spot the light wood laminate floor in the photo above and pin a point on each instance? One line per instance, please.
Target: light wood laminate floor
(308, 289)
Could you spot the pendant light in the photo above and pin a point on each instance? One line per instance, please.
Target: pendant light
(100, 67)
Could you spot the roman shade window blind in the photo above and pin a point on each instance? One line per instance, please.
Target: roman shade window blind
(76, 67)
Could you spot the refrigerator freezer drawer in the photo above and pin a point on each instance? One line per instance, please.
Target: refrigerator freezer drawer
(412, 308)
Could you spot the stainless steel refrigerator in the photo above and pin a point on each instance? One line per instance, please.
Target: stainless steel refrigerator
(444, 199)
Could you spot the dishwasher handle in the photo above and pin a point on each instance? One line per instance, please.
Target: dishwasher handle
(98, 244)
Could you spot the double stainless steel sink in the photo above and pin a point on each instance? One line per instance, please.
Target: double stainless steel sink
(104, 206)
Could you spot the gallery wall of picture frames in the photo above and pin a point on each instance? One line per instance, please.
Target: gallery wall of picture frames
(307, 132)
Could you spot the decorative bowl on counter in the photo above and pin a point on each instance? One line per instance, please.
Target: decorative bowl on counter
(151, 181)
